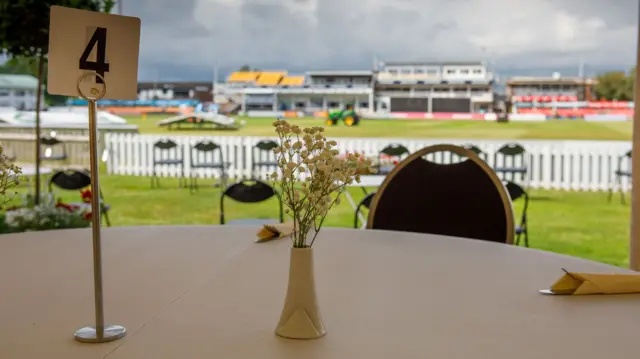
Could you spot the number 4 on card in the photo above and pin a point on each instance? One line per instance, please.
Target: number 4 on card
(99, 42)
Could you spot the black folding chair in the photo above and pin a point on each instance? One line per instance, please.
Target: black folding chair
(203, 155)
(260, 155)
(250, 191)
(74, 180)
(365, 203)
(622, 171)
(53, 150)
(167, 153)
(516, 192)
(514, 162)
(395, 151)
(477, 150)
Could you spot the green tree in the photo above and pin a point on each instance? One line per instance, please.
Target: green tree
(24, 33)
(615, 86)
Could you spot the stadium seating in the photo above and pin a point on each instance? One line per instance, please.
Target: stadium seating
(269, 78)
(292, 81)
(243, 77)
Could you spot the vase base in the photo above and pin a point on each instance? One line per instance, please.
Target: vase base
(300, 326)
(300, 337)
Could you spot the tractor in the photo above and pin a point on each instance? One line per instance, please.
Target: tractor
(348, 116)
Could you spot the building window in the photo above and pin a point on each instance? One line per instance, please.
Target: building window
(364, 105)
(4, 93)
(451, 72)
(464, 72)
(393, 72)
(406, 71)
(18, 93)
(477, 71)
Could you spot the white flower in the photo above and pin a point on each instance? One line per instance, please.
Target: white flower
(313, 176)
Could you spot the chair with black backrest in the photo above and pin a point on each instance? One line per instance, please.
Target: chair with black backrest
(207, 155)
(516, 192)
(623, 170)
(394, 152)
(261, 154)
(514, 162)
(74, 180)
(167, 153)
(53, 149)
(365, 203)
(477, 150)
(250, 191)
(462, 199)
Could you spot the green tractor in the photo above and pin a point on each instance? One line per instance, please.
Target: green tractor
(348, 116)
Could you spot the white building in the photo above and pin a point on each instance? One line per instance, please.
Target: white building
(427, 87)
(313, 92)
(18, 91)
(434, 87)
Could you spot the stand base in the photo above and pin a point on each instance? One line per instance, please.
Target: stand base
(89, 334)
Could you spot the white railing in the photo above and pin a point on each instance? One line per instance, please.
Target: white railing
(562, 165)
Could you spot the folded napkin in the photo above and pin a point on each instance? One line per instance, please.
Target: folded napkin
(274, 231)
(588, 283)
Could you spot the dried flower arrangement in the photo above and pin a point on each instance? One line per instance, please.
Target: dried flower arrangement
(312, 175)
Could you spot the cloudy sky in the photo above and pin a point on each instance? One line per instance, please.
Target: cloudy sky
(183, 39)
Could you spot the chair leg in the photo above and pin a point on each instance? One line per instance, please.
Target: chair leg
(182, 183)
(621, 190)
(610, 194)
(526, 237)
(153, 178)
(105, 214)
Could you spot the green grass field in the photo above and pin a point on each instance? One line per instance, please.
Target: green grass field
(578, 224)
(549, 130)
(574, 223)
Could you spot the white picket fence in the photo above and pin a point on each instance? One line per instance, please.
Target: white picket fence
(561, 165)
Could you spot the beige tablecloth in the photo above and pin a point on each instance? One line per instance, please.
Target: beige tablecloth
(210, 292)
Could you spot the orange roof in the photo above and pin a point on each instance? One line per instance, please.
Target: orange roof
(248, 76)
(270, 78)
(292, 81)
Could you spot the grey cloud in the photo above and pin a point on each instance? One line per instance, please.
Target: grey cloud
(316, 34)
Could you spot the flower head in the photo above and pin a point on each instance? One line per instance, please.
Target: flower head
(312, 174)
(9, 176)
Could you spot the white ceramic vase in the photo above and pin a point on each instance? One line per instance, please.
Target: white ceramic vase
(300, 318)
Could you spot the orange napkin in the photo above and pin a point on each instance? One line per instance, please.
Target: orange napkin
(588, 283)
(274, 231)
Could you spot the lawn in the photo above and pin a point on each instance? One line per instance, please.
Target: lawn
(550, 130)
(574, 223)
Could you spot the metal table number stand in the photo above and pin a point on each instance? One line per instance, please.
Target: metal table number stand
(100, 333)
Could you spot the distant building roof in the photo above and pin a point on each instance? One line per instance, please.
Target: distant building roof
(433, 63)
(341, 73)
(531, 80)
(189, 85)
(18, 82)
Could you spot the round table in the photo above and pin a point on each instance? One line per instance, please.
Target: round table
(211, 292)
